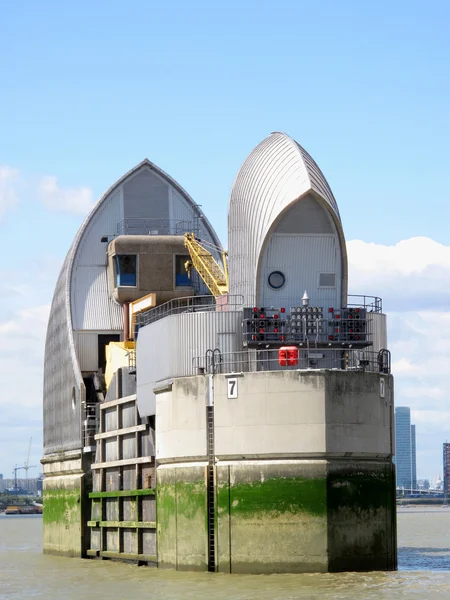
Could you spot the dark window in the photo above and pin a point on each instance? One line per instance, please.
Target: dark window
(125, 270)
(181, 275)
(103, 341)
(276, 280)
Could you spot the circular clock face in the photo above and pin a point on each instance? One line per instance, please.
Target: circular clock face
(276, 280)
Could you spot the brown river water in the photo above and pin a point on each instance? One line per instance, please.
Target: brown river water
(25, 573)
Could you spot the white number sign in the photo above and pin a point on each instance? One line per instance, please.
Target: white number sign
(232, 388)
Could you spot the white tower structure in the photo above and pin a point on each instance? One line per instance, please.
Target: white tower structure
(282, 213)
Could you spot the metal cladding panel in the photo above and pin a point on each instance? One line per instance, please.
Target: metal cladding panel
(146, 194)
(377, 330)
(306, 216)
(167, 348)
(183, 212)
(92, 306)
(62, 419)
(86, 343)
(87, 350)
(318, 181)
(154, 361)
(91, 251)
(316, 254)
(82, 292)
(272, 178)
(198, 332)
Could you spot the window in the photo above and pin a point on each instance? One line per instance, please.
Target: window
(181, 275)
(125, 270)
(276, 280)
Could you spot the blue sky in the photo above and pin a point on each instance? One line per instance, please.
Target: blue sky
(89, 89)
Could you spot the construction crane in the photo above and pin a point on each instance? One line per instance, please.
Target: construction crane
(16, 468)
(206, 265)
(25, 464)
(25, 467)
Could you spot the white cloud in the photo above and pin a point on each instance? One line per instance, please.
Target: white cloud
(22, 340)
(413, 274)
(8, 182)
(73, 200)
(413, 278)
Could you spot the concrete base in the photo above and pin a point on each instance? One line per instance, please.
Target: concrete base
(304, 478)
(182, 517)
(65, 504)
(280, 516)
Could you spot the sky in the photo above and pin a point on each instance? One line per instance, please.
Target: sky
(89, 89)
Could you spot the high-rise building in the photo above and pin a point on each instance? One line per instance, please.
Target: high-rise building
(446, 467)
(413, 457)
(405, 449)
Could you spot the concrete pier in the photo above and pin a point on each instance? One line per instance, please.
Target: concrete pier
(303, 472)
(65, 495)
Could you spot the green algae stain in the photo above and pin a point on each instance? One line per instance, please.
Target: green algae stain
(61, 506)
(191, 499)
(185, 499)
(181, 522)
(277, 496)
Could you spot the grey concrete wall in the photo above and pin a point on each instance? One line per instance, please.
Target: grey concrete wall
(181, 420)
(359, 414)
(303, 472)
(275, 413)
(279, 413)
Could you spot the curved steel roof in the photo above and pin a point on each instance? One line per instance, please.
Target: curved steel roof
(62, 372)
(276, 174)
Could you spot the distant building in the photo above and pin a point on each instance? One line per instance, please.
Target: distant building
(423, 484)
(32, 485)
(413, 457)
(405, 449)
(446, 457)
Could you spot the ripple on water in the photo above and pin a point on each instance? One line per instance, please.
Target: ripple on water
(25, 573)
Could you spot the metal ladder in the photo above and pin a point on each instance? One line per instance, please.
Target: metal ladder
(210, 489)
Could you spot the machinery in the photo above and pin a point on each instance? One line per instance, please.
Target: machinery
(206, 265)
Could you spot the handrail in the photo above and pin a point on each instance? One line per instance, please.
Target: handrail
(373, 304)
(154, 226)
(188, 304)
(245, 361)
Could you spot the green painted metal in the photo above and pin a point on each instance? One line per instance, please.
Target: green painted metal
(122, 493)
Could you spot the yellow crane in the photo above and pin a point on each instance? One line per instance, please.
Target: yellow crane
(206, 265)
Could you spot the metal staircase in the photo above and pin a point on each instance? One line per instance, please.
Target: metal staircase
(206, 265)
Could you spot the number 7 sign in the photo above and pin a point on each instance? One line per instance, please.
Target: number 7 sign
(232, 388)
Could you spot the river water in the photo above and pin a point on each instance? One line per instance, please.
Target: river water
(25, 573)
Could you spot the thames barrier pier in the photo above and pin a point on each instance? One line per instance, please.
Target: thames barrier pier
(213, 411)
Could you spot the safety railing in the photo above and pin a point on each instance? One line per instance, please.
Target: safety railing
(214, 361)
(131, 354)
(143, 226)
(91, 423)
(188, 304)
(372, 304)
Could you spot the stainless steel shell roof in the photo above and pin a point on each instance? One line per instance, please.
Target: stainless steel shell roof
(63, 380)
(276, 174)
